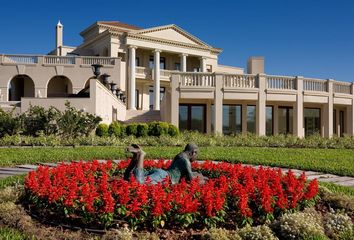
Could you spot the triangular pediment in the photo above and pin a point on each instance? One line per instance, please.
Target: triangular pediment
(172, 33)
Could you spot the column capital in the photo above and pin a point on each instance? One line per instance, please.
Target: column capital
(132, 46)
(184, 55)
(157, 50)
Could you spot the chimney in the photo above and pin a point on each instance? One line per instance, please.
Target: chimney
(255, 65)
(59, 38)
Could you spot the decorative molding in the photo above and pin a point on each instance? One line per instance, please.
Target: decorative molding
(21, 69)
(59, 70)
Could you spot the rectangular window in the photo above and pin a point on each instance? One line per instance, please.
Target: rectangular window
(251, 119)
(335, 121)
(312, 121)
(269, 120)
(285, 120)
(341, 122)
(178, 66)
(192, 117)
(137, 62)
(152, 95)
(162, 62)
(232, 119)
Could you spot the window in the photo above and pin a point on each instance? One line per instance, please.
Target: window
(334, 121)
(162, 62)
(285, 120)
(136, 98)
(152, 95)
(192, 117)
(341, 122)
(122, 56)
(269, 120)
(178, 66)
(251, 119)
(231, 119)
(312, 118)
(137, 62)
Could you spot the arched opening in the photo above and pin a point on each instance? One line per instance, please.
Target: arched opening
(20, 86)
(59, 86)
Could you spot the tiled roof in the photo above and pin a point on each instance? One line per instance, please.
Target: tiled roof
(119, 24)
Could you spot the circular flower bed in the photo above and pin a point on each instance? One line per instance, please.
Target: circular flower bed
(95, 194)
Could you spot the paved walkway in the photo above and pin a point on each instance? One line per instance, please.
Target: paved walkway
(322, 177)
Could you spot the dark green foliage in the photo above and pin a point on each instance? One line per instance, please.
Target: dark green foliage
(173, 130)
(158, 128)
(131, 129)
(102, 130)
(115, 129)
(37, 119)
(142, 130)
(73, 123)
(9, 124)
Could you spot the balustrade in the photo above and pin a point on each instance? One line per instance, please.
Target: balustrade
(240, 81)
(281, 82)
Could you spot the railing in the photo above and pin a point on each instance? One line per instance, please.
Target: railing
(143, 72)
(239, 81)
(166, 73)
(197, 80)
(55, 60)
(281, 82)
(19, 59)
(318, 85)
(98, 60)
(342, 87)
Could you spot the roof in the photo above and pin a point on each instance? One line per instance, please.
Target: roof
(119, 24)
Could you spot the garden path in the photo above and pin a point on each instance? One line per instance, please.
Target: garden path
(322, 177)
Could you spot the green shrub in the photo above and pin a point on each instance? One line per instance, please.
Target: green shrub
(37, 119)
(9, 124)
(131, 129)
(142, 130)
(74, 123)
(115, 129)
(338, 226)
(262, 232)
(301, 225)
(221, 234)
(158, 128)
(102, 130)
(173, 130)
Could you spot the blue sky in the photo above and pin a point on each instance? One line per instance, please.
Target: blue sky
(308, 38)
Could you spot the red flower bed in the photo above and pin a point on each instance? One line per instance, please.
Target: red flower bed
(95, 192)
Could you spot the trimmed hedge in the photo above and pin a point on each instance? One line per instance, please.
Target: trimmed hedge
(155, 129)
(102, 130)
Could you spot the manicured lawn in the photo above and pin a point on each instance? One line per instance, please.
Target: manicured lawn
(335, 161)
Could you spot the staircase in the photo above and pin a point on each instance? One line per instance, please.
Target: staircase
(142, 116)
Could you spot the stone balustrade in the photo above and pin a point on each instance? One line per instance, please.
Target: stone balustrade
(343, 87)
(11, 59)
(318, 85)
(281, 82)
(239, 81)
(197, 80)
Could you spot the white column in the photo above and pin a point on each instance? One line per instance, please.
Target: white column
(218, 103)
(203, 64)
(351, 112)
(329, 111)
(261, 106)
(184, 62)
(174, 104)
(299, 108)
(157, 79)
(132, 84)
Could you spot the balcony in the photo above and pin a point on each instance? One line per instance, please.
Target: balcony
(277, 88)
(48, 60)
(148, 74)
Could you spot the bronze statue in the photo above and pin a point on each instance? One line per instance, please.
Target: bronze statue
(180, 167)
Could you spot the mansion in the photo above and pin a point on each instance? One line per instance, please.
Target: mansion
(165, 73)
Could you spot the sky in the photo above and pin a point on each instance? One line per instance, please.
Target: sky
(311, 38)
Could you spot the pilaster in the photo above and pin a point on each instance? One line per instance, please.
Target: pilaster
(175, 99)
(218, 102)
(299, 108)
(261, 106)
(328, 110)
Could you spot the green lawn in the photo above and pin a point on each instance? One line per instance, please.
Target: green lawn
(335, 161)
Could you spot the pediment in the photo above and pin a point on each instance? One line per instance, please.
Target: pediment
(172, 33)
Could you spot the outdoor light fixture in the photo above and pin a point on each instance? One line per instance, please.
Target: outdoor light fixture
(96, 68)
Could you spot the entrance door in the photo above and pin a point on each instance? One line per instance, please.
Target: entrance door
(192, 117)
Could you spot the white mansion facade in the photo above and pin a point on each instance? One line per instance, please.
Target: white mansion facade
(165, 73)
